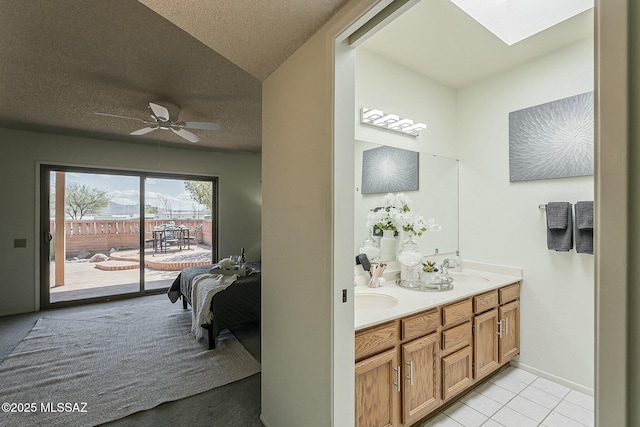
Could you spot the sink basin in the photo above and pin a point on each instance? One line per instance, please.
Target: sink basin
(467, 278)
(374, 302)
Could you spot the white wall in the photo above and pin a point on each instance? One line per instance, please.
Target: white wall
(239, 196)
(392, 88)
(500, 221)
(307, 331)
(296, 224)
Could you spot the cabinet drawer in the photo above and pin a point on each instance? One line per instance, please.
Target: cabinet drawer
(377, 339)
(509, 293)
(456, 372)
(420, 324)
(485, 302)
(457, 337)
(456, 313)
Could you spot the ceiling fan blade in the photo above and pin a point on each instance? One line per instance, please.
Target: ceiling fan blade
(122, 117)
(201, 125)
(143, 130)
(160, 111)
(191, 137)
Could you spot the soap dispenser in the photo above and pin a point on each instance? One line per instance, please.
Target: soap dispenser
(457, 263)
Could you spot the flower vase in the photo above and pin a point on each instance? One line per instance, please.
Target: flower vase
(387, 246)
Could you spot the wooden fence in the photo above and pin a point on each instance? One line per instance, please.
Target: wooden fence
(102, 235)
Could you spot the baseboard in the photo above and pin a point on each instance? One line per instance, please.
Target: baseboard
(553, 378)
(264, 423)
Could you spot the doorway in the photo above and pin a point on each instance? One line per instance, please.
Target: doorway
(118, 234)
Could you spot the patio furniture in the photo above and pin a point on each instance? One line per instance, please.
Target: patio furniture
(165, 235)
(146, 239)
(194, 235)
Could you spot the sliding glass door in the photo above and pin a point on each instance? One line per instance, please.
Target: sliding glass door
(178, 228)
(112, 234)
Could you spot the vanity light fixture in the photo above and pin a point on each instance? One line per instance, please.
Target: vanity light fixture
(387, 119)
(392, 122)
(368, 116)
(401, 124)
(416, 128)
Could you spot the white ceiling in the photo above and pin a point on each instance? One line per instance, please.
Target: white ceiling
(439, 40)
(515, 20)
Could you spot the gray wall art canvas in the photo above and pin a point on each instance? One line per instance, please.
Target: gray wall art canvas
(552, 140)
(388, 170)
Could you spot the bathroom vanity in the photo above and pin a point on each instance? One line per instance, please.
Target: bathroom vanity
(416, 351)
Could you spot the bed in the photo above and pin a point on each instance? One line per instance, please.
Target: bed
(237, 304)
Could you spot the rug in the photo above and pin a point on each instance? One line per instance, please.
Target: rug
(95, 367)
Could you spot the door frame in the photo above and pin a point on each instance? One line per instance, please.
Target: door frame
(43, 219)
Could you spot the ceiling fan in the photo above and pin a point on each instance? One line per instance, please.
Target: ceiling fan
(165, 117)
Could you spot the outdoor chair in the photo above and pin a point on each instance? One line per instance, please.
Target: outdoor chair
(170, 236)
(193, 235)
(146, 240)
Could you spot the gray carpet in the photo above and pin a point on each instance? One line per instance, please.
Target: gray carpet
(233, 404)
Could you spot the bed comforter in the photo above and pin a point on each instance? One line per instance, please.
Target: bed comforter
(239, 303)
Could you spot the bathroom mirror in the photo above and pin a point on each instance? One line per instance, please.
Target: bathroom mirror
(436, 197)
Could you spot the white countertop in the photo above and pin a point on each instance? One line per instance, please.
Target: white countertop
(411, 301)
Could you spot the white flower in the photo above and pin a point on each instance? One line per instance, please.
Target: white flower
(376, 217)
(395, 214)
(432, 225)
(383, 218)
(398, 201)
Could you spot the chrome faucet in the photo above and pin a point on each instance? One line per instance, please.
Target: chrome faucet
(445, 266)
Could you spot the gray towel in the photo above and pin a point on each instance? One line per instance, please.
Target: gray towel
(557, 218)
(584, 227)
(584, 215)
(559, 238)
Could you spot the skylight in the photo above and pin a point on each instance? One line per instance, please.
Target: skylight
(515, 20)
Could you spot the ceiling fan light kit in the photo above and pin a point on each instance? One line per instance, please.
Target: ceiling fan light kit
(164, 116)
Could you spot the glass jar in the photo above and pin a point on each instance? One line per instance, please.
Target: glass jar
(370, 248)
(411, 262)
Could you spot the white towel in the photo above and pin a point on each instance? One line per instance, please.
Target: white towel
(203, 288)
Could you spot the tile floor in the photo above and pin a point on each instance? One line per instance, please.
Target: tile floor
(517, 398)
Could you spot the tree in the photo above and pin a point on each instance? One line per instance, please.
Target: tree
(151, 210)
(201, 192)
(81, 200)
(166, 203)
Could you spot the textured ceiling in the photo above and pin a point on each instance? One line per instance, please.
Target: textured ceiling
(63, 60)
(257, 36)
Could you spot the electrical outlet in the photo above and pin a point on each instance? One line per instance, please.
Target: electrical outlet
(19, 243)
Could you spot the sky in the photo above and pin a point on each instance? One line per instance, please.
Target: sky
(125, 189)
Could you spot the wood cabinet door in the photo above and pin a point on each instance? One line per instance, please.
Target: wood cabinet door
(510, 340)
(485, 347)
(421, 378)
(378, 390)
(456, 372)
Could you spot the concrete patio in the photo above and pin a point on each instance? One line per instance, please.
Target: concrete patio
(121, 273)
